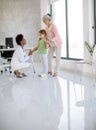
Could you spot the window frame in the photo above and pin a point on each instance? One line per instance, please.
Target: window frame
(94, 27)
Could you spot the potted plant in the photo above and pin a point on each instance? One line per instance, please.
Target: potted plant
(89, 48)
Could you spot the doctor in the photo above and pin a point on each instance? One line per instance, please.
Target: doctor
(20, 58)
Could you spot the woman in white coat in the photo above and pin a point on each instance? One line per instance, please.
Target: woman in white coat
(20, 58)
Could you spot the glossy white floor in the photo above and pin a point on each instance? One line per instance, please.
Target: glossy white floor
(67, 102)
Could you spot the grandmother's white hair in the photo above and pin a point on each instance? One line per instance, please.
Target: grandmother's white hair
(47, 16)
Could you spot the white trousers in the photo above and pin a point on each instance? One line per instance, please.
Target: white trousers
(44, 60)
(51, 52)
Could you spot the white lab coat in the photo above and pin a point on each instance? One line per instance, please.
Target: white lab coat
(20, 59)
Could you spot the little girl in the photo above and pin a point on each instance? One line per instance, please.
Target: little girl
(42, 47)
(55, 44)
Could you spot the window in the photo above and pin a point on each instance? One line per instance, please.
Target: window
(58, 12)
(75, 24)
(68, 17)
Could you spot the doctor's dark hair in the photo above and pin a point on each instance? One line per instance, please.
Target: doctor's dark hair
(19, 38)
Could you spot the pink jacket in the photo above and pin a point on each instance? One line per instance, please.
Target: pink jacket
(54, 35)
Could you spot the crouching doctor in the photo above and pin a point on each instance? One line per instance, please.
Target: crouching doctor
(20, 58)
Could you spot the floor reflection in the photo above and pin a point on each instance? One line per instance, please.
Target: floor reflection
(63, 103)
(35, 105)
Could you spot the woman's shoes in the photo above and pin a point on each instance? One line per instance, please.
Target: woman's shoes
(49, 73)
(55, 74)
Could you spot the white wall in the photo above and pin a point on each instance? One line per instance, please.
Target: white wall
(20, 16)
(88, 22)
(91, 21)
(45, 8)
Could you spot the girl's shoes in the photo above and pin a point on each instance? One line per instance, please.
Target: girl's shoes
(42, 75)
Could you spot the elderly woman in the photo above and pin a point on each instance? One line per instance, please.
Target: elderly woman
(55, 44)
(20, 58)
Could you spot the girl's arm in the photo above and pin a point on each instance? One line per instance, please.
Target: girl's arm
(35, 48)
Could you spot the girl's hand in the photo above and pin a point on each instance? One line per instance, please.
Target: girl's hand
(34, 49)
